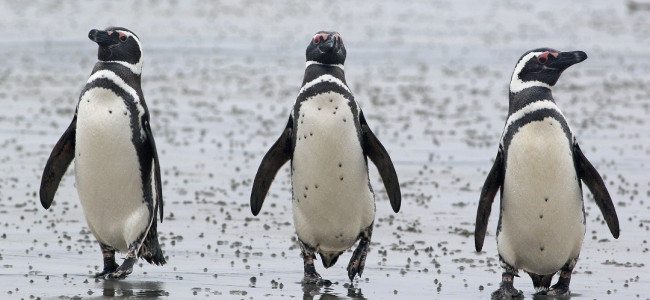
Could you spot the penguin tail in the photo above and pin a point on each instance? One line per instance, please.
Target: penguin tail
(329, 259)
(154, 255)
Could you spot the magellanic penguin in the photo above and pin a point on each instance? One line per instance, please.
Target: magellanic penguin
(116, 164)
(328, 142)
(539, 168)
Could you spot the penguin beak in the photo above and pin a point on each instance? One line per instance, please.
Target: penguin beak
(329, 45)
(102, 38)
(567, 59)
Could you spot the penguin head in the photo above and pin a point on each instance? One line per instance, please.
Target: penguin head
(542, 67)
(326, 47)
(120, 45)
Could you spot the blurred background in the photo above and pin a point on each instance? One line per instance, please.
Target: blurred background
(220, 78)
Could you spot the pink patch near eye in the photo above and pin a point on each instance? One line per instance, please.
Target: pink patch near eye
(339, 37)
(318, 37)
(543, 58)
(121, 34)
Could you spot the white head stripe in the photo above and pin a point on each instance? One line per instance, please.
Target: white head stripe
(137, 67)
(516, 84)
(324, 78)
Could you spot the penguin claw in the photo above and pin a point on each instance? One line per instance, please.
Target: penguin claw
(108, 269)
(103, 273)
(119, 274)
(555, 293)
(541, 292)
(316, 279)
(559, 291)
(507, 291)
(122, 271)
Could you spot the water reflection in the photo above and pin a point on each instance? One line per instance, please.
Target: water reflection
(311, 291)
(132, 289)
(547, 297)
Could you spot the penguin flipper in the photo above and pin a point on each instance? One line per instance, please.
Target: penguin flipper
(273, 160)
(492, 184)
(60, 158)
(588, 174)
(373, 149)
(156, 171)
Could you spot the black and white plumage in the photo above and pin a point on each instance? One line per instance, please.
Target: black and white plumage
(538, 169)
(116, 163)
(328, 142)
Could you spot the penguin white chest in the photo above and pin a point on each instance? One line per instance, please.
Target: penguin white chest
(108, 175)
(332, 199)
(542, 218)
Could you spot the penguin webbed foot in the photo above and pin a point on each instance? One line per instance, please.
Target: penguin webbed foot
(315, 280)
(560, 292)
(110, 265)
(122, 271)
(561, 288)
(358, 260)
(119, 274)
(107, 269)
(507, 291)
(312, 277)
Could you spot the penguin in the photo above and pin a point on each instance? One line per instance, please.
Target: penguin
(328, 141)
(117, 169)
(539, 170)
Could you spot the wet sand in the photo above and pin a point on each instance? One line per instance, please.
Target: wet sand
(220, 80)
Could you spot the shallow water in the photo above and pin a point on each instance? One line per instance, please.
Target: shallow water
(220, 78)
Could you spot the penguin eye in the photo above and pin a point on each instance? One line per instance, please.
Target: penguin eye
(123, 37)
(542, 58)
